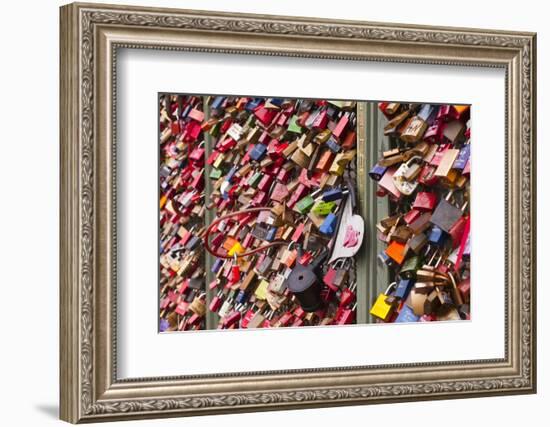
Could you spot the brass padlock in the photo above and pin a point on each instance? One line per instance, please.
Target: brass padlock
(198, 306)
(414, 131)
(300, 158)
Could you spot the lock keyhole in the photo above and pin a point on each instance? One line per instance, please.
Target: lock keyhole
(301, 277)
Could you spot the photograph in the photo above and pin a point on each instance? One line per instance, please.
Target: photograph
(261, 222)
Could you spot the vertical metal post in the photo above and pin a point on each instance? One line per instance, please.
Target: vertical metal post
(362, 184)
(374, 276)
(211, 318)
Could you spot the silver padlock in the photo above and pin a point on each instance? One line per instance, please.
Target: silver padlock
(405, 173)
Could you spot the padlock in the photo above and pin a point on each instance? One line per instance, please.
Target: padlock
(198, 305)
(400, 234)
(437, 236)
(333, 145)
(346, 316)
(377, 172)
(300, 158)
(304, 205)
(341, 125)
(417, 243)
(403, 288)
(332, 195)
(216, 302)
(342, 275)
(325, 161)
(405, 173)
(323, 208)
(396, 251)
(454, 131)
(446, 215)
(433, 302)
(462, 158)
(328, 227)
(386, 183)
(406, 315)
(330, 278)
(425, 201)
(386, 224)
(417, 298)
(337, 168)
(389, 108)
(410, 267)
(421, 224)
(446, 162)
(261, 290)
(258, 319)
(411, 216)
(414, 130)
(382, 309)
(347, 296)
(265, 266)
(304, 283)
(390, 129)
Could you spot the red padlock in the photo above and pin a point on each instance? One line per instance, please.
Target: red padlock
(425, 201)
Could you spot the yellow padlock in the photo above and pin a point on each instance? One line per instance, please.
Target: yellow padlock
(341, 161)
(381, 308)
(236, 249)
(337, 168)
(261, 290)
(163, 200)
(219, 160)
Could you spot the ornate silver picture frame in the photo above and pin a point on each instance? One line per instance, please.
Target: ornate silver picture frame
(90, 37)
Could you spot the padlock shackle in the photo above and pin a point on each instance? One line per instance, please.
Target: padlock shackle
(417, 158)
(391, 285)
(320, 258)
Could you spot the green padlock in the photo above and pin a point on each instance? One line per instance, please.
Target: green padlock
(304, 205)
(410, 267)
(293, 126)
(215, 130)
(216, 173)
(255, 179)
(323, 208)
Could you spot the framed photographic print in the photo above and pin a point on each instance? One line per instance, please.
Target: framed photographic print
(268, 212)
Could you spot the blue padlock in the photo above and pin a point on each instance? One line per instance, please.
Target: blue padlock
(270, 236)
(276, 101)
(253, 104)
(242, 297)
(403, 288)
(427, 113)
(329, 224)
(333, 145)
(216, 265)
(185, 111)
(437, 236)
(332, 194)
(218, 101)
(231, 173)
(384, 259)
(463, 157)
(377, 172)
(406, 315)
(258, 152)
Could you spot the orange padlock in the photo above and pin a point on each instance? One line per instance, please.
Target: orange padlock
(396, 251)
